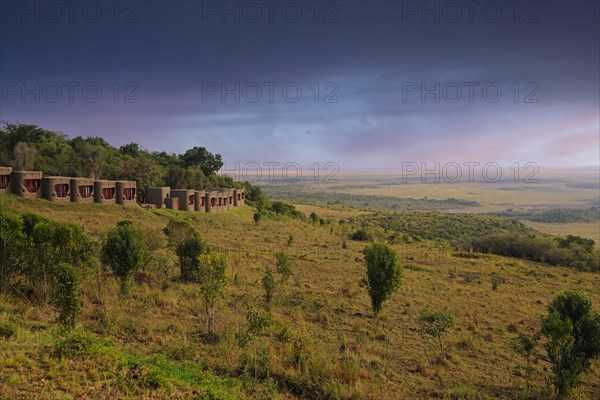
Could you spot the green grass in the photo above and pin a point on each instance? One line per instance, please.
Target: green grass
(151, 344)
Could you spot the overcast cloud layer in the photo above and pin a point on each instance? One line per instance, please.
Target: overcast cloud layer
(362, 66)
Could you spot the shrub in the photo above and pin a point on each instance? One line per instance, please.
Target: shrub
(417, 267)
(12, 246)
(525, 345)
(54, 243)
(188, 250)
(177, 231)
(361, 235)
(435, 323)
(255, 358)
(314, 217)
(125, 252)
(284, 267)
(496, 281)
(384, 274)
(212, 276)
(8, 329)
(269, 285)
(573, 339)
(79, 343)
(257, 217)
(66, 295)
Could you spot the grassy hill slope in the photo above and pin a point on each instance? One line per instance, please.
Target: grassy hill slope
(322, 341)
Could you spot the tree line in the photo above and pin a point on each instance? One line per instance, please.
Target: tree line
(29, 147)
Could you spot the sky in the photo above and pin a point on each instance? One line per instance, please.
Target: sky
(363, 84)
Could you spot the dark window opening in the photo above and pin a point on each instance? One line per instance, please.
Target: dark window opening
(32, 185)
(129, 194)
(4, 181)
(191, 200)
(61, 190)
(108, 193)
(85, 191)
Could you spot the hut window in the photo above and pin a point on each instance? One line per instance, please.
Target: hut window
(4, 181)
(32, 185)
(202, 201)
(129, 193)
(61, 190)
(212, 202)
(191, 200)
(108, 193)
(85, 191)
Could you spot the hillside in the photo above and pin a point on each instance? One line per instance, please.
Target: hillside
(322, 342)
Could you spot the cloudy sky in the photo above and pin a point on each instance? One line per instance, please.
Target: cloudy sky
(365, 84)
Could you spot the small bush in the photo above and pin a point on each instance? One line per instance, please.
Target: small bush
(269, 285)
(435, 323)
(284, 267)
(496, 281)
(361, 235)
(471, 278)
(7, 329)
(125, 252)
(417, 267)
(460, 393)
(212, 276)
(79, 343)
(66, 295)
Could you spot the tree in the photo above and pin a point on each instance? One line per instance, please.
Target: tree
(188, 252)
(284, 267)
(212, 276)
(66, 295)
(125, 252)
(53, 243)
(384, 274)
(435, 323)
(199, 156)
(269, 285)
(188, 246)
(25, 156)
(130, 149)
(525, 345)
(257, 217)
(573, 339)
(255, 357)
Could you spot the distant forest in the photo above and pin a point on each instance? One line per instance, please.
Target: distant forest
(367, 202)
(29, 147)
(556, 216)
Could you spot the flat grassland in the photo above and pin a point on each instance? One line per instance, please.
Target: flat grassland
(322, 341)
